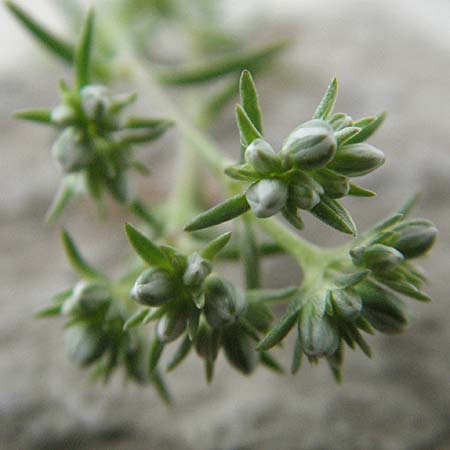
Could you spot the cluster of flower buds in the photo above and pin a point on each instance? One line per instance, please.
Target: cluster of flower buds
(311, 171)
(204, 309)
(95, 143)
(362, 294)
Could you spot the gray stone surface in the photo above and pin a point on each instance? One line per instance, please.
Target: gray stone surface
(387, 57)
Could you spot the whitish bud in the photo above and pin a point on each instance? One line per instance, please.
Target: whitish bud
(310, 145)
(224, 304)
(262, 157)
(303, 197)
(95, 101)
(154, 287)
(340, 120)
(197, 270)
(84, 344)
(63, 115)
(416, 237)
(171, 326)
(378, 257)
(86, 298)
(318, 334)
(71, 151)
(357, 159)
(267, 197)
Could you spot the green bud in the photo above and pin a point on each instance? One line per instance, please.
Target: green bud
(87, 298)
(171, 326)
(262, 157)
(197, 270)
(71, 150)
(84, 344)
(347, 303)
(415, 237)
(357, 159)
(319, 336)
(240, 350)
(339, 121)
(207, 342)
(154, 287)
(63, 115)
(267, 197)
(334, 184)
(95, 101)
(224, 304)
(310, 145)
(378, 257)
(302, 196)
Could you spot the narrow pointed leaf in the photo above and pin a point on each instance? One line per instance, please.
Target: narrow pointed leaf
(327, 103)
(209, 70)
(49, 311)
(142, 122)
(146, 249)
(35, 115)
(229, 209)
(344, 135)
(387, 223)
(358, 191)
(76, 260)
(180, 354)
(270, 362)
(135, 319)
(362, 344)
(409, 205)
(279, 330)
(215, 246)
(353, 279)
(297, 356)
(82, 61)
(156, 349)
(368, 130)
(248, 131)
(250, 257)
(154, 314)
(51, 42)
(161, 387)
(249, 100)
(270, 295)
(67, 191)
(334, 214)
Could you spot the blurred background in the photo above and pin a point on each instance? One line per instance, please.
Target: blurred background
(388, 55)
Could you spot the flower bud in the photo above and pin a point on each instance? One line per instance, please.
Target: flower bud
(171, 326)
(267, 197)
(340, 120)
(310, 145)
(87, 298)
(262, 157)
(197, 270)
(224, 304)
(319, 336)
(63, 115)
(355, 160)
(95, 101)
(378, 257)
(84, 344)
(71, 151)
(416, 237)
(207, 342)
(347, 303)
(154, 287)
(303, 197)
(334, 184)
(240, 350)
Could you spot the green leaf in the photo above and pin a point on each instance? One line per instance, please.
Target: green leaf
(279, 330)
(161, 387)
(209, 70)
(249, 100)
(67, 191)
(362, 344)
(344, 135)
(82, 61)
(229, 209)
(154, 314)
(327, 103)
(334, 214)
(135, 319)
(270, 362)
(215, 246)
(35, 115)
(146, 249)
(76, 260)
(138, 208)
(250, 257)
(156, 349)
(409, 205)
(56, 45)
(358, 191)
(148, 123)
(180, 354)
(352, 279)
(389, 222)
(248, 131)
(367, 130)
(49, 311)
(270, 295)
(297, 356)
